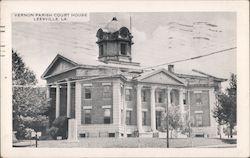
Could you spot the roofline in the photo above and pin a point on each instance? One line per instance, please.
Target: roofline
(59, 72)
(159, 70)
(203, 73)
(54, 60)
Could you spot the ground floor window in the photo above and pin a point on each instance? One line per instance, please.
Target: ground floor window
(87, 116)
(198, 120)
(144, 118)
(128, 118)
(107, 114)
(158, 119)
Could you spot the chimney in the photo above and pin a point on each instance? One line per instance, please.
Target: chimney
(171, 68)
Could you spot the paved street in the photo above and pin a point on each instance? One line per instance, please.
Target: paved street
(133, 143)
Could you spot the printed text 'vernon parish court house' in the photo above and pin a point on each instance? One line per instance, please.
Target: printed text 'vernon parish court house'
(115, 97)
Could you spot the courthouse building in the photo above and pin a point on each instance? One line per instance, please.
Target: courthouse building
(113, 96)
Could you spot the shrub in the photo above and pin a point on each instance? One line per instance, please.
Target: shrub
(53, 132)
(59, 127)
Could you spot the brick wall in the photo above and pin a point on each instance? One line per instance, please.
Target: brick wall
(132, 105)
(146, 105)
(96, 101)
(204, 106)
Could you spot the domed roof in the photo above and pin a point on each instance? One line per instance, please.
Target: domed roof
(112, 26)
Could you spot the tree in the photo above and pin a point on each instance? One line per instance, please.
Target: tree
(174, 119)
(225, 110)
(29, 102)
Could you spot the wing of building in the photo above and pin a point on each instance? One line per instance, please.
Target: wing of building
(114, 96)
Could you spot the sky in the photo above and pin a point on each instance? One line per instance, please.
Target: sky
(158, 38)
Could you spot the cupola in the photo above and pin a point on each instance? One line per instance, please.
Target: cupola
(115, 41)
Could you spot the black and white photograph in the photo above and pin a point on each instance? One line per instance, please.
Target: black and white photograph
(124, 80)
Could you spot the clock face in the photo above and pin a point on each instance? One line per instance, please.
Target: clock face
(124, 33)
(101, 35)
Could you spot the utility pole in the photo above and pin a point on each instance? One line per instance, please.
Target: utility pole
(36, 139)
(167, 119)
(167, 129)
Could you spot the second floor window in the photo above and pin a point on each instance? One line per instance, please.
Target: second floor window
(198, 98)
(159, 96)
(144, 95)
(106, 91)
(87, 93)
(128, 94)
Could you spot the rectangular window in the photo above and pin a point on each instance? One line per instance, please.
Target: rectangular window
(144, 95)
(198, 98)
(198, 119)
(128, 118)
(128, 94)
(123, 49)
(106, 91)
(101, 50)
(184, 99)
(159, 96)
(87, 115)
(87, 93)
(107, 114)
(144, 118)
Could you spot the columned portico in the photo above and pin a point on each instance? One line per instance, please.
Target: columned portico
(152, 106)
(57, 100)
(139, 109)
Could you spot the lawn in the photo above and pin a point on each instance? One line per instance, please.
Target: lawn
(133, 143)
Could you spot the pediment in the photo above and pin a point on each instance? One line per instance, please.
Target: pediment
(58, 65)
(161, 77)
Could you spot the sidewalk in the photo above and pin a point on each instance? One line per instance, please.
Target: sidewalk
(218, 146)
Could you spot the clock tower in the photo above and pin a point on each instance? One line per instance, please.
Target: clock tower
(115, 43)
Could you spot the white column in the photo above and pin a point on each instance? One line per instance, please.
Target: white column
(212, 100)
(78, 103)
(139, 109)
(48, 92)
(181, 104)
(169, 98)
(72, 130)
(152, 106)
(57, 100)
(68, 98)
(116, 103)
(124, 111)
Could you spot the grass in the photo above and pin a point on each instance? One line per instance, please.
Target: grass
(133, 143)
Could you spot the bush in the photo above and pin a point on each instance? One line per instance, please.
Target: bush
(60, 121)
(59, 128)
(53, 132)
(47, 137)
